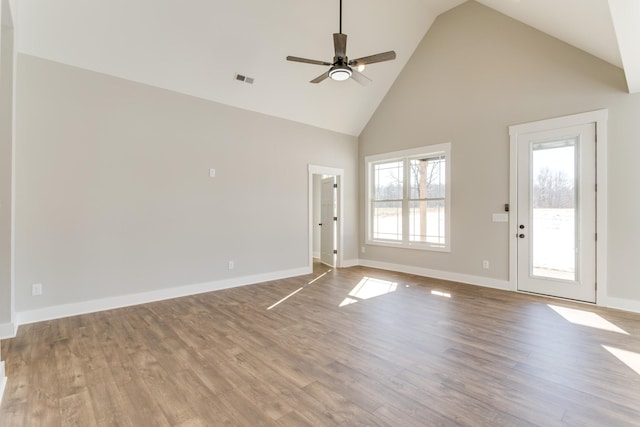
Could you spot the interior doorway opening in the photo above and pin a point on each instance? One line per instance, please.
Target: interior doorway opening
(325, 215)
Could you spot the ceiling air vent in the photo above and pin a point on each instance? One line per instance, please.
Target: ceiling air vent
(245, 79)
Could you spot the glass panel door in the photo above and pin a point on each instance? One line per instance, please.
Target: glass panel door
(553, 209)
(557, 212)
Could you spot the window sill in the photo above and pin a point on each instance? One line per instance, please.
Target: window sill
(404, 245)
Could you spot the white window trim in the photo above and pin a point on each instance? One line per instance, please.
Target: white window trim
(427, 151)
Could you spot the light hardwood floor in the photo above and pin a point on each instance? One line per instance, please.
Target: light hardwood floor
(426, 353)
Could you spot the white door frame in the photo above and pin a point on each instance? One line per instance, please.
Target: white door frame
(339, 174)
(599, 117)
(328, 227)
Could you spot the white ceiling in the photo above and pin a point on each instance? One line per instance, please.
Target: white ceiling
(196, 47)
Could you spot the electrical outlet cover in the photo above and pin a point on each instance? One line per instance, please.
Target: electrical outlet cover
(36, 289)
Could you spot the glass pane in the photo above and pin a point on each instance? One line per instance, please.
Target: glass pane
(387, 179)
(553, 205)
(387, 220)
(427, 178)
(426, 221)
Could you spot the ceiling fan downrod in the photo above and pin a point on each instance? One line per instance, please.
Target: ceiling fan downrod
(340, 17)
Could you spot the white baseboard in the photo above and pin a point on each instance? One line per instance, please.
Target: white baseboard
(8, 330)
(438, 274)
(620, 304)
(350, 263)
(74, 309)
(608, 302)
(316, 255)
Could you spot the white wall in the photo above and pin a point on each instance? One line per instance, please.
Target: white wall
(475, 73)
(114, 197)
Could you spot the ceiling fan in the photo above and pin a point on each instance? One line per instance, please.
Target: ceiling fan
(342, 68)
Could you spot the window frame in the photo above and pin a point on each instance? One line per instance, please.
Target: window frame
(406, 156)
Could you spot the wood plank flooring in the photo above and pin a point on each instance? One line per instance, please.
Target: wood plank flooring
(422, 353)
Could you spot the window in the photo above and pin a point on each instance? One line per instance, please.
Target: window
(408, 198)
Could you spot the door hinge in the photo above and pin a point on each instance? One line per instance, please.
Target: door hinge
(335, 251)
(335, 218)
(596, 237)
(335, 185)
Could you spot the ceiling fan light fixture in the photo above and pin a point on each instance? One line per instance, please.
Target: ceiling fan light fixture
(340, 72)
(341, 67)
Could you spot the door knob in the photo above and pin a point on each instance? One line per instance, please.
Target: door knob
(521, 236)
(320, 224)
(521, 226)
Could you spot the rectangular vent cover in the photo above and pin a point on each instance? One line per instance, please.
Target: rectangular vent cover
(245, 79)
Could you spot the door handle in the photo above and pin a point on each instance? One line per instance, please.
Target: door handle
(521, 236)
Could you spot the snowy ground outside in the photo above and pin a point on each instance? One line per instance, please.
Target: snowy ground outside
(554, 245)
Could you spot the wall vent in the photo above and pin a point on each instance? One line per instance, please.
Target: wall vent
(245, 79)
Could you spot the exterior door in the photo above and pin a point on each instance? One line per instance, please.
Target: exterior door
(328, 223)
(556, 229)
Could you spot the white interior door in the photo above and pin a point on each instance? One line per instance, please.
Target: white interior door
(557, 212)
(328, 222)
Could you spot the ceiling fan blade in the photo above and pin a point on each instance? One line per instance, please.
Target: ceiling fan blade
(360, 78)
(380, 57)
(340, 44)
(307, 61)
(320, 78)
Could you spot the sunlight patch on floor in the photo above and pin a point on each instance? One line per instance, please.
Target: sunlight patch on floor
(586, 318)
(286, 298)
(298, 290)
(629, 358)
(369, 288)
(441, 294)
(320, 276)
(348, 301)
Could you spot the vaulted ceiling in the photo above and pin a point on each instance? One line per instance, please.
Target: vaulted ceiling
(197, 47)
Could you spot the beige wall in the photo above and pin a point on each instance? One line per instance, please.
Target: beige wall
(6, 129)
(6, 144)
(114, 195)
(475, 73)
